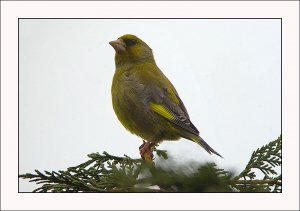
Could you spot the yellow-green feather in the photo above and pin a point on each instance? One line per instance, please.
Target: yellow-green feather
(162, 110)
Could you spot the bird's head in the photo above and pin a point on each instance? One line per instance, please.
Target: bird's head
(131, 49)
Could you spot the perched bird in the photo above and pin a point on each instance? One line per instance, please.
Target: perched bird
(145, 101)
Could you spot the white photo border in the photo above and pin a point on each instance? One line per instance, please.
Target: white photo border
(13, 10)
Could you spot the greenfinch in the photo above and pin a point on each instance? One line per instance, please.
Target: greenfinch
(144, 100)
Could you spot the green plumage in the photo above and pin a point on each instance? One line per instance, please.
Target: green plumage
(144, 100)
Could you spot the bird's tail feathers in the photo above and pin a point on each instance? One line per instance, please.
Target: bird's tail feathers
(203, 144)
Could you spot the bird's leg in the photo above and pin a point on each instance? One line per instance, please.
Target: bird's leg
(146, 151)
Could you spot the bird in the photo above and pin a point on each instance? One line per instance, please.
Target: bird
(145, 101)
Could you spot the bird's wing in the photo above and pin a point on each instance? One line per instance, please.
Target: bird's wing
(162, 97)
(168, 104)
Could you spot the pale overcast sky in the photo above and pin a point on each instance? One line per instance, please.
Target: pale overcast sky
(227, 73)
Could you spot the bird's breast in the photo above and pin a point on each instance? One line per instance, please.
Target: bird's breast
(129, 102)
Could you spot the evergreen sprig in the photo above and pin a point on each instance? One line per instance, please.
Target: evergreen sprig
(108, 173)
(101, 173)
(264, 159)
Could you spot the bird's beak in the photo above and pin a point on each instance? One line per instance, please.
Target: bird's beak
(118, 45)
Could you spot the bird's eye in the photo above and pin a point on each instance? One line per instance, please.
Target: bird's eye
(130, 42)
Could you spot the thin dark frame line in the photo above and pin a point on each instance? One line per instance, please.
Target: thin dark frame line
(18, 104)
(150, 18)
(157, 19)
(281, 98)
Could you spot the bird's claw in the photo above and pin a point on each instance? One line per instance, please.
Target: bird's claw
(146, 151)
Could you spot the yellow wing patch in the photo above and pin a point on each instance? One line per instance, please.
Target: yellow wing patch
(162, 110)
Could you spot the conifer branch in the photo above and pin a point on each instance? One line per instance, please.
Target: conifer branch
(108, 173)
(263, 159)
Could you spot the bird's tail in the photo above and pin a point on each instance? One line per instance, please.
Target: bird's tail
(203, 144)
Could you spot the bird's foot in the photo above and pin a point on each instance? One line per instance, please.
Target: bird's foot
(146, 151)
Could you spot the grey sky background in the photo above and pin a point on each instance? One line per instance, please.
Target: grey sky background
(227, 73)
